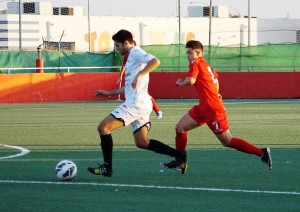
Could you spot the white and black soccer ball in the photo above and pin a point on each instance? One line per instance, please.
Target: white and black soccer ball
(66, 170)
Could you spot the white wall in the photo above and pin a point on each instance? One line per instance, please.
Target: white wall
(161, 31)
(277, 30)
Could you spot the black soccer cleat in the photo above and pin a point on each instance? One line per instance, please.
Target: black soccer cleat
(105, 170)
(171, 165)
(266, 158)
(174, 164)
(179, 164)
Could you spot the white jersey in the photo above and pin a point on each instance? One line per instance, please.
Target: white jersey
(137, 60)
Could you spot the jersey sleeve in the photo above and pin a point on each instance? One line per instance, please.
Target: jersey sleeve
(142, 56)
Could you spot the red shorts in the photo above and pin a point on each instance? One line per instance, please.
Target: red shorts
(216, 121)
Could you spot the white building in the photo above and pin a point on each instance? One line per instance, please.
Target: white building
(281, 30)
(68, 26)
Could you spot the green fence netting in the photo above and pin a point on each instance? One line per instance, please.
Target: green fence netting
(57, 61)
(267, 57)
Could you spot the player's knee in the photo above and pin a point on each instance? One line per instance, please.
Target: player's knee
(99, 127)
(225, 138)
(102, 129)
(179, 129)
(141, 145)
(225, 143)
(141, 142)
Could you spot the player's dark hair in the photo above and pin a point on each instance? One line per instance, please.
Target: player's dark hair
(122, 36)
(194, 44)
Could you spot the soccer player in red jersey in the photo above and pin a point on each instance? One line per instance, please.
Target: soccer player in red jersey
(156, 109)
(210, 109)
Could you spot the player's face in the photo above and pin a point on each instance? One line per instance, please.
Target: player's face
(120, 48)
(191, 54)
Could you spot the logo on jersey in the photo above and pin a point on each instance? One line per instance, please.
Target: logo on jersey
(217, 128)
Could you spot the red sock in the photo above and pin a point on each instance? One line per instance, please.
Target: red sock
(155, 106)
(181, 141)
(244, 146)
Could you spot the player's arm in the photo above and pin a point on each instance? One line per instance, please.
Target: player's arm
(122, 70)
(110, 93)
(217, 85)
(151, 65)
(186, 82)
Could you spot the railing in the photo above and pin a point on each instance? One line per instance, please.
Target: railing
(161, 68)
(240, 68)
(58, 69)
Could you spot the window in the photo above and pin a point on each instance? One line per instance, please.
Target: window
(55, 11)
(298, 36)
(29, 8)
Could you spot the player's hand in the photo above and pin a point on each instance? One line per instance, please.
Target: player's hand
(134, 82)
(179, 82)
(119, 80)
(102, 93)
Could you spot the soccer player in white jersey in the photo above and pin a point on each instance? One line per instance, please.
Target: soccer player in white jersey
(136, 109)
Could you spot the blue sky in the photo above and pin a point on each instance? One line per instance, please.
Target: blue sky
(259, 8)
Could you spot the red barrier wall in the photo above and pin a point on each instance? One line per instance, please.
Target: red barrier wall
(246, 85)
(64, 87)
(260, 85)
(55, 87)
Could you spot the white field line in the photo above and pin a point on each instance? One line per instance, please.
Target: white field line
(22, 153)
(150, 187)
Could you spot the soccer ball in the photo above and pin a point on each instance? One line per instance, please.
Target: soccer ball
(66, 170)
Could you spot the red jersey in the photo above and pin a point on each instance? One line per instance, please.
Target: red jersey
(125, 58)
(206, 86)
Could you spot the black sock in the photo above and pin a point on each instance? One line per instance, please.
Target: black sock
(107, 147)
(161, 148)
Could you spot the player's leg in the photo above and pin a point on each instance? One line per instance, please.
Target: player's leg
(241, 145)
(142, 141)
(140, 137)
(105, 128)
(185, 124)
(109, 124)
(156, 108)
(220, 128)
